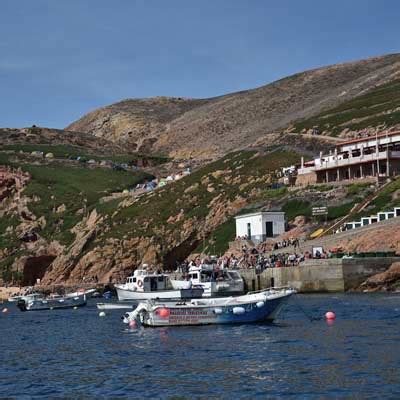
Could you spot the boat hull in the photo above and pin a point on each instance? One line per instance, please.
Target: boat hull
(214, 289)
(261, 308)
(135, 295)
(114, 306)
(52, 304)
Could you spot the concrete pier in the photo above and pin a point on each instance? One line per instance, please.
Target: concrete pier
(326, 275)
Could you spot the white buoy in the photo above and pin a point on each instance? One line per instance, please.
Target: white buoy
(260, 304)
(75, 308)
(4, 310)
(102, 314)
(217, 311)
(238, 310)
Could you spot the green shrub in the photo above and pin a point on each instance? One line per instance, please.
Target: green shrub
(294, 208)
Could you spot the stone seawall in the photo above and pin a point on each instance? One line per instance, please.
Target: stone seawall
(331, 275)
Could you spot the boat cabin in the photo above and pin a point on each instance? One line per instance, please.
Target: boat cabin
(143, 281)
(207, 273)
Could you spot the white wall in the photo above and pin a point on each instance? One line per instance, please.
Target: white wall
(257, 223)
(278, 224)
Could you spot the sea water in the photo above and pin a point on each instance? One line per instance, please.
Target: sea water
(75, 353)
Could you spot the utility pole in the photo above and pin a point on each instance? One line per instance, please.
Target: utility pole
(377, 155)
(387, 155)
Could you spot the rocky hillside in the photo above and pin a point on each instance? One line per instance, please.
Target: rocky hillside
(63, 226)
(59, 223)
(377, 109)
(46, 136)
(213, 127)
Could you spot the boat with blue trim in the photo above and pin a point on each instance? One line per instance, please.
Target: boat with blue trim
(261, 306)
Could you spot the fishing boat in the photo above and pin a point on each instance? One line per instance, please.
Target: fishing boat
(143, 285)
(259, 306)
(215, 281)
(50, 303)
(26, 297)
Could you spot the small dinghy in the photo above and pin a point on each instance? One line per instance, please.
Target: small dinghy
(115, 306)
(253, 307)
(50, 303)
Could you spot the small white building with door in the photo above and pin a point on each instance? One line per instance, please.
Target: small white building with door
(260, 225)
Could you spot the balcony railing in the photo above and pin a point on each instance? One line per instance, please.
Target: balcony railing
(347, 162)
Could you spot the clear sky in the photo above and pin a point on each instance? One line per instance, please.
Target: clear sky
(62, 58)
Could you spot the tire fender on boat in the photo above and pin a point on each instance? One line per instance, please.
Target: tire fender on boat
(260, 304)
(217, 311)
(238, 310)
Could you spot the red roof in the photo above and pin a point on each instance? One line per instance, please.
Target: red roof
(368, 138)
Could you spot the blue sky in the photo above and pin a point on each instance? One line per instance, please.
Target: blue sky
(62, 58)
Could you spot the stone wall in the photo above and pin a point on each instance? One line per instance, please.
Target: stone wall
(306, 179)
(332, 275)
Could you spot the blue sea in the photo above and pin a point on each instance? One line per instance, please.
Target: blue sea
(77, 354)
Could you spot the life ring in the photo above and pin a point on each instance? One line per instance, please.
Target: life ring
(140, 283)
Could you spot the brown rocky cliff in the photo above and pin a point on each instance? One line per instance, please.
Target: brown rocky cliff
(388, 280)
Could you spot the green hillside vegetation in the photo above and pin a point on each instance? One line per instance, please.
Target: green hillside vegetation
(379, 106)
(78, 189)
(218, 242)
(241, 174)
(385, 201)
(68, 151)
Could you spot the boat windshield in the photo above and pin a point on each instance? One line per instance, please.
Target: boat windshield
(211, 276)
(234, 275)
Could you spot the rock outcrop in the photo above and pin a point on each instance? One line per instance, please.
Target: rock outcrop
(385, 281)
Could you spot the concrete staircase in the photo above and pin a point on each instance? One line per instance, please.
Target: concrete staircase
(331, 241)
(356, 209)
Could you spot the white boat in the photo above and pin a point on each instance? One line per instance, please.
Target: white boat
(50, 303)
(214, 281)
(115, 306)
(143, 285)
(87, 292)
(26, 297)
(260, 306)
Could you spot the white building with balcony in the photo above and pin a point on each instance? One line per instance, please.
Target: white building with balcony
(372, 156)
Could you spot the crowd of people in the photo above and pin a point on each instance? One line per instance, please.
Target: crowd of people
(258, 257)
(286, 243)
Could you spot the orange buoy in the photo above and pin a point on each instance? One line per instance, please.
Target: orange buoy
(163, 312)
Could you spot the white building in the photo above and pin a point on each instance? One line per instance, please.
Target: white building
(377, 156)
(260, 225)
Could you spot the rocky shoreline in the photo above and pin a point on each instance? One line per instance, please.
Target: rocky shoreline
(388, 281)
